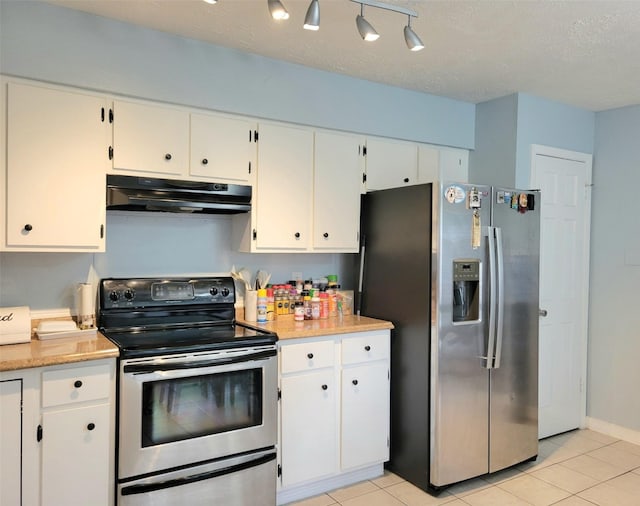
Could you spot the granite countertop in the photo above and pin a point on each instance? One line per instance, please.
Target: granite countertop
(287, 328)
(37, 353)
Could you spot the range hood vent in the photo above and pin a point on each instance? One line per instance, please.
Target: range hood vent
(132, 193)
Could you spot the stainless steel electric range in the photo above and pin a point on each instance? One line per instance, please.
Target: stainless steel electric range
(197, 394)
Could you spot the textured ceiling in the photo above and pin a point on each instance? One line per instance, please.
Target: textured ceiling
(583, 53)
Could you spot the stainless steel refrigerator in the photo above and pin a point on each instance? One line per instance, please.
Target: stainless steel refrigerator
(455, 267)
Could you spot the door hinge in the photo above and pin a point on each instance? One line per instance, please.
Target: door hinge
(255, 136)
(279, 394)
(364, 177)
(388, 444)
(249, 166)
(388, 375)
(39, 433)
(255, 234)
(279, 470)
(110, 152)
(110, 115)
(102, 114)
(102, 231)
(364, 150)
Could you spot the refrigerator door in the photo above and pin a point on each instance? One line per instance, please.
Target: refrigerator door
(396, 225)
(459, 376)
(513, 408)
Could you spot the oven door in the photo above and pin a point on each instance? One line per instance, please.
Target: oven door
(184, 409)
(246, 480)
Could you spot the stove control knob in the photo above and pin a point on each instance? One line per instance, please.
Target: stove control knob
(213, 291)
(129, 294)
(225, 292)
(114, 296)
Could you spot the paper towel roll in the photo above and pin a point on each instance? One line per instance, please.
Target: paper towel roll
(250, 305)
(86, 307)
(15, 325)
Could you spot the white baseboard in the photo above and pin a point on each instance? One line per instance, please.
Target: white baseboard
(333, 482)
(610, 429)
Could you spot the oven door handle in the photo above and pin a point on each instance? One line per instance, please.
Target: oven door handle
(151, 487)
(197, 364)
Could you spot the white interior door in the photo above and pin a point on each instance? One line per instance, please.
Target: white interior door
(565, 180)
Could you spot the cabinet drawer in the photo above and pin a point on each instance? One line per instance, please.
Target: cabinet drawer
(365, 348)
(76, 384)
(307, 356)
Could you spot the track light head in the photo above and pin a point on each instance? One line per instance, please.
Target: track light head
(312, 19)
(367, 32)
(277, 10)
(411, 38)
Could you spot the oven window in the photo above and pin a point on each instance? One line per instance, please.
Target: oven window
(195, 406)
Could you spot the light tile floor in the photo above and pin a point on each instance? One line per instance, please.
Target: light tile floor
(578, 468)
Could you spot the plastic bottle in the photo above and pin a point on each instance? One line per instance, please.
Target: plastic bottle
(315, 308)
(324, 305)
(262, 306)
(306, 300)
(298, 314)
(271, 311)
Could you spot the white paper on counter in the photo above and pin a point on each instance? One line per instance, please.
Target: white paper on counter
(15, 325)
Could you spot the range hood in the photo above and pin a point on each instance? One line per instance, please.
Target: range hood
(132, 193)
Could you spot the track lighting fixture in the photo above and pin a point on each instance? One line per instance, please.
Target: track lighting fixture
(312, 19)
(277, 10)
(411, 38)
(367, 32)
(211, 1)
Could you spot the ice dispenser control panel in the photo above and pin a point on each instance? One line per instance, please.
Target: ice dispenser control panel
(466, 292)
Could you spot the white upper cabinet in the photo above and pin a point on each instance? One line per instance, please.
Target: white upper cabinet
(150, 139)
(390, 163)
(437, 163)
(283, 187)
(336, 191)
(222, 148)
(56, 161)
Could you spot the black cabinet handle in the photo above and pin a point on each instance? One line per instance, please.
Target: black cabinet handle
(367, 348)
(167, 156)
(406, 179)
(28, 227)
(325, 235)
(91, 426)
(324, 387)
(309, 356)
(77, 384)
(297, 235)
(355, 382)
(205, 161)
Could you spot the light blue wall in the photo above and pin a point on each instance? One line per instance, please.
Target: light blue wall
(494, 158)
(50, 43)
(507, 127)
(614, 344)
(543, 121)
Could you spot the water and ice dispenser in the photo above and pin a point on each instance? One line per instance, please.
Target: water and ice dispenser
(466, 290)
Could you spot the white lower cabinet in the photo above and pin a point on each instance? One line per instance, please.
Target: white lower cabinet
(57, 435)
(334, 411)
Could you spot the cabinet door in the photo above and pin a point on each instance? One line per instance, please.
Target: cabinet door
(308, 442)
(428, 164)
(283, 192)
(365, 415)
(221, 147)
(150, 139)
(75, 456)
(390, 163)
(10, 442)
(454, 165)
(57, 158)
(336, 192)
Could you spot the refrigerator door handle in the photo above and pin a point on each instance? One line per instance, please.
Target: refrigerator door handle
(500, 302)
(492, 298)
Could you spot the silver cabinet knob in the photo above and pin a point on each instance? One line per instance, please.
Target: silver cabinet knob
(542, 312)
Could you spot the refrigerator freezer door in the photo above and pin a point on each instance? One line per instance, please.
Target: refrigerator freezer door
(459, 378)
(513, 433)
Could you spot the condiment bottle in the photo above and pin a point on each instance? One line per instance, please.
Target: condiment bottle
(262, 306)
(271, 314)
(298, 314)
(306, 300)
(324, 305)
(315, 308)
